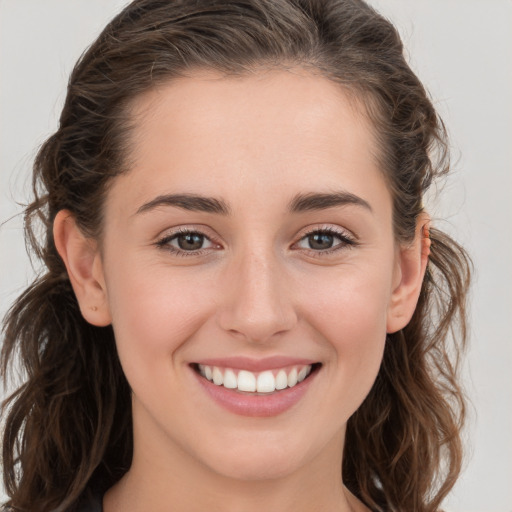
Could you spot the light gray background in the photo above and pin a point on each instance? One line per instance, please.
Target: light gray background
(461, 49)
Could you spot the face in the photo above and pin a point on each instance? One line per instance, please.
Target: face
(250, 241)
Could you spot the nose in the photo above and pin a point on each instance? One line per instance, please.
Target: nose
(257, 304)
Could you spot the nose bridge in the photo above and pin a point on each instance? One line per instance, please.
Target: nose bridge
(258, 303)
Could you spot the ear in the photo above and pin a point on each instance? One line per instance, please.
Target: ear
(85, 269)
(411, 266)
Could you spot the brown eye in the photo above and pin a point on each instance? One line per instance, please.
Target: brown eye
(190, 241)
(320, 241)
(186, 242)
(326, 240)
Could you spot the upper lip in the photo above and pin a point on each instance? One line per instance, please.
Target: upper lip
(255, 365)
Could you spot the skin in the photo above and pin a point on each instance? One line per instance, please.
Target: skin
(257, 289)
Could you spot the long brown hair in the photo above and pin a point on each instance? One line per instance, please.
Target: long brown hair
(68, 425)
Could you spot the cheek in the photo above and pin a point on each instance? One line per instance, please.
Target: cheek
(350, 314)
(154, 312)
(348, 303)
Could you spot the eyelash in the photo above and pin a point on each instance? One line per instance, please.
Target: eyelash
(346, 241)
(164, 243)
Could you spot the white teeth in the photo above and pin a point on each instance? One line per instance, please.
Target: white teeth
(246, 381)
(264, 382)
(302, 374)
(218, 378)
(230, 380)
(292, 378)
(281, 380)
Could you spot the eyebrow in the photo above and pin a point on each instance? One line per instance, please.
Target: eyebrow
(300, 203)
(192, 202)
(323, 201)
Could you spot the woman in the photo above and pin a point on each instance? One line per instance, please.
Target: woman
(245, 305)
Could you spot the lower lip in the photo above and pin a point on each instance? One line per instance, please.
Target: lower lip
(256, 405)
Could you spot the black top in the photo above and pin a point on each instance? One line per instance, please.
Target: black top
(91, 502)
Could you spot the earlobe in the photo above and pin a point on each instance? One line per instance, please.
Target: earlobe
(411, 266)
(84, 266)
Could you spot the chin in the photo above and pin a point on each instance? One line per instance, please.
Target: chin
(251, 471)
(257, 460)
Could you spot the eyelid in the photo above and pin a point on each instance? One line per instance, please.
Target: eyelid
(163, 240)
(347, 238)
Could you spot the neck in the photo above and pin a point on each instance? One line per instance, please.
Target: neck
(172, 479)
(186, 487)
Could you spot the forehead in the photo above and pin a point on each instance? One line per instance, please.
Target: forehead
(212, 134)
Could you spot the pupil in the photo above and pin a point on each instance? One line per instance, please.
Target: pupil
(190, 242)
(320, 241)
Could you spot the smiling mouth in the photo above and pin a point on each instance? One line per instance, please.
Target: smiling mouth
(256, 383)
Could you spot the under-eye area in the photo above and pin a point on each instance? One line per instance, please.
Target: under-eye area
(257, 383)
